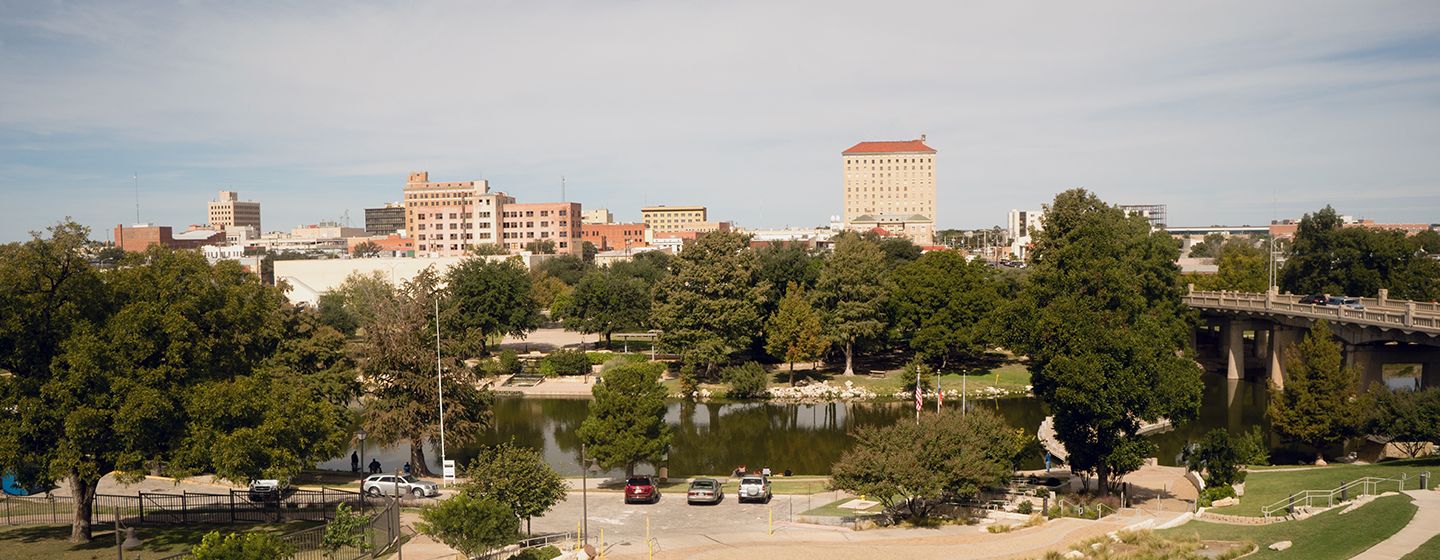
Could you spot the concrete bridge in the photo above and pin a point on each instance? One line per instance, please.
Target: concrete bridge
(1390, 340)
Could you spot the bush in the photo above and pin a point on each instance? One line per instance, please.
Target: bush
(238, 546)
(1025, 507)
(917, 369)
(1217, 455)
(599, 358)
(1252, 449)
(509, 362)
(747, 381)
(565, 362)
(1216, 493)
(542, 553)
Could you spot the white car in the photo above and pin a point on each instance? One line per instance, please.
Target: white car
(754, 489)
(386, 485)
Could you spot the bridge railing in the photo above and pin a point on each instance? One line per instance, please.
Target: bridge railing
(1409, 315)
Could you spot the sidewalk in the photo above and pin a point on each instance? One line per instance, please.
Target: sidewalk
(1424, 526)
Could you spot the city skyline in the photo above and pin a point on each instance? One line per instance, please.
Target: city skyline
(323, 109)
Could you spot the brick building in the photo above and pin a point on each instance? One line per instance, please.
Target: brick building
(137, 238)
(606, 237)
(450, 219)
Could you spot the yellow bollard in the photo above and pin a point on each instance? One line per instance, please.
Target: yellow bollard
(579, 538)
(649, 544)
(602, 543)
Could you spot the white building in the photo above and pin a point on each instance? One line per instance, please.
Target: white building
(310, 279)
(1019, 225)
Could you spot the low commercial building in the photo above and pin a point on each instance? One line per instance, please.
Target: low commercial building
(139, 237)
(606, 237)
(672, 218)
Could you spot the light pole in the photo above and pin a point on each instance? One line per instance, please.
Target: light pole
(439, 383)
(360, 435)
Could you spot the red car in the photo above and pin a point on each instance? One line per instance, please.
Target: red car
(641, 489)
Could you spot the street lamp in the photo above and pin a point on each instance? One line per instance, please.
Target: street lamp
(585, 471)
(360, 436)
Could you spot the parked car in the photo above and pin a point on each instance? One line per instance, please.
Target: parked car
(705, 491)
(641, 489)
(754, 489)
(1314, 299)
(386, 485)
(269, 490)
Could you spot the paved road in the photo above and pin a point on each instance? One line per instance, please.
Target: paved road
(1424, 526)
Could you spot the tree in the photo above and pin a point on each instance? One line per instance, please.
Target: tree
(941, 305)
(541, 247)
(783, 265)
(947, 456)
(851, 294)
(1318, 405)
(746, 381)
(898, 250)
(488, 250)
(709, 305)
(794, 332)
(916, 375)
(588, 251)
(1209, 247)
(549, 290)
(1242, 268)
(346, 530)
(398, 362)
(517, 477)
(1329, 257)
(356, 298)
(626, 425)
(488, 300)
(565, 362)
(1102, 322)
(604, 302)
(470, 524)
(330, 309)
(240, 546)
(1217, 456)
(568, 268)
(1407, 419)
(106, 372)
(365, 249)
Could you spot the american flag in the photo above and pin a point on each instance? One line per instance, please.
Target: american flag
(939, 396)
(919, 397)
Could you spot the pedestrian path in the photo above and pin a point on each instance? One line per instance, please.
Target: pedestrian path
(1424, 526)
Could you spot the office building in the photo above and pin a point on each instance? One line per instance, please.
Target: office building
(606, 237)
(891, 186)
(450, 219)
(597, 216)
(1155, 213)
(558, 222)
(385, 221)
(672, 218)
(229, 211)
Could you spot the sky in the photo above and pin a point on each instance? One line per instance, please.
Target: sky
(1230, 112)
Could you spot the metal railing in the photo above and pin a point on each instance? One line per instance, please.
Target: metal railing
(1418, 316)
(185, 508)
(1305, 499)
(563, 541)
(381, 534)
(1066, 508)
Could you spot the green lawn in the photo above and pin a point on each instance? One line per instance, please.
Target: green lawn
(1263, 488)
(1324, 536)
(49, 541)
(1010, 377)
(1428, 551)
(833, 509)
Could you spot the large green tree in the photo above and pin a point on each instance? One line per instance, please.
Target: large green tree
(604, 302)
(941, 305)
(1330, 257)
(1405, 418)
(517, 477)
(488, 299)
(850, 293)
(1106, 332)
(782, 265)
(471, 524)
(626, 424)
(1241, 267)
(946, 456)
(794, 333)
(162, 364)
(709, 304)
(1319, 405)
(398, 362)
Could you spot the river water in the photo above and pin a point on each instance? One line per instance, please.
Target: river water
(714, 438)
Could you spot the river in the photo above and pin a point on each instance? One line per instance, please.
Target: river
(714, 438)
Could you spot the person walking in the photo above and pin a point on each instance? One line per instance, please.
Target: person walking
(354, 462)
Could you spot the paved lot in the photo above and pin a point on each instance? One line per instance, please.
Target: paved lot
(674, 523)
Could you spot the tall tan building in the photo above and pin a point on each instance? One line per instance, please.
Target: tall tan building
(672, 218)
(229, 211)
(891, 185)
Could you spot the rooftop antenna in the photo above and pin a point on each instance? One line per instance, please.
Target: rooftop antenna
(562, 189)
(135, 177)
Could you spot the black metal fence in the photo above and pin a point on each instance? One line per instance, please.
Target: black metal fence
(186, 508)
(382, 533)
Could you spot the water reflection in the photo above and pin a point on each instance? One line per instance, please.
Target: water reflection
(713, 438)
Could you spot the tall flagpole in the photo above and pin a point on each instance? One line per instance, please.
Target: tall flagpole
(439, 382)
(964, 386)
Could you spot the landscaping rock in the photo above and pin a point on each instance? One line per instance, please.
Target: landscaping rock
(1224, 502)
(1074, 555)
(1282, 545)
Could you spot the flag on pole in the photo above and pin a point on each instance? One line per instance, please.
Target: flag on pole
(939, 395)
(919, 397)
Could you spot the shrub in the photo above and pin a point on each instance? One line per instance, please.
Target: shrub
(1217, 455)
(599, 358)
(509, 362)
(1025, 508)
(917, 369)
(1252, 449)
(1216, 493)
(999, 528)
(565, 362)
(542, 553)
(747, 381)
(240, 546)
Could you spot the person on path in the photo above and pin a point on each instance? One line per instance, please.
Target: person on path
(354, 461)
(407, 468)
(374, 466)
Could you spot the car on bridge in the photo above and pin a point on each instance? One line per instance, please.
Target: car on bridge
(1346, 302)
(1315, 299)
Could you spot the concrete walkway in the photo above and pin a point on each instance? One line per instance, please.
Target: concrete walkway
(1424, 526)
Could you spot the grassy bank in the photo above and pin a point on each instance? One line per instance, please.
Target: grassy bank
(1324, 536)
(1263, 488)
(49, 541)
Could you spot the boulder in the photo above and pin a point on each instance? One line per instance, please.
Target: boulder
(1282, 545)
(1074, 555)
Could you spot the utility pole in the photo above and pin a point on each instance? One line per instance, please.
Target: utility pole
(135, 177)
(439, 383)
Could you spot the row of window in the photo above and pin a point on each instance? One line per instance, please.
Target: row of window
(531, 213)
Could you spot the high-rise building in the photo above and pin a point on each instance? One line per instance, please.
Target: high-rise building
(452, 218)
(672, 218)
(1021, 222)
(229, 211)
(891, 186)
(385, 221)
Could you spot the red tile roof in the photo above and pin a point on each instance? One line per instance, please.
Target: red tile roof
(903, 146)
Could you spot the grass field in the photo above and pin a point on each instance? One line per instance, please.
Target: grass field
(1428, 551)
(833, 509)
(1009, 377)
(49, 541)
(1324, 536)
(1263, 488)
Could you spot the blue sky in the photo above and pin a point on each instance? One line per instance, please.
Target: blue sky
(1230, 112)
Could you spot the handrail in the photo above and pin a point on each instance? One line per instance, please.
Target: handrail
(1307, 498)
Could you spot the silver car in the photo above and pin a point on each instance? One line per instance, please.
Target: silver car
(390, 485)
(705, 491)
(754, 489)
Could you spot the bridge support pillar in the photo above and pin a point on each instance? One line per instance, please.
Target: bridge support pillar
(1262, 343)
(1281, 339)
(1232, 343)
